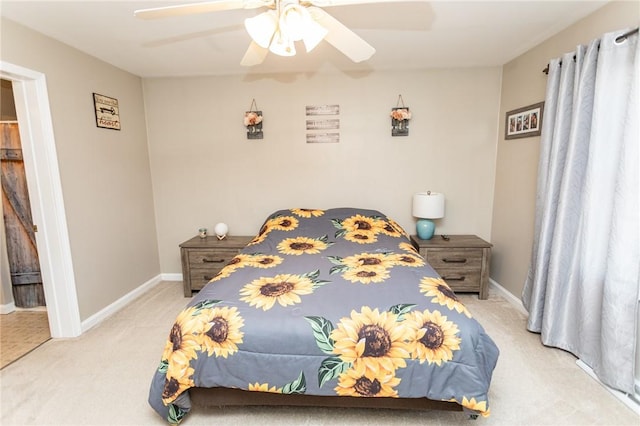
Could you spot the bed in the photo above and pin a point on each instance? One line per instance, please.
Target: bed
(326, 307)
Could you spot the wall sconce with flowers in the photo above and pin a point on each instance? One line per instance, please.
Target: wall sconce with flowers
(400, 117)
(253, 122)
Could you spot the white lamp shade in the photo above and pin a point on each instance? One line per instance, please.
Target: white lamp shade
(293, 20)
(261, 28)
(428, 205)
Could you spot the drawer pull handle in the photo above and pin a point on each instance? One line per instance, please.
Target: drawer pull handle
(453, 277)
(207, 278)
(205, 260)
(454, 259)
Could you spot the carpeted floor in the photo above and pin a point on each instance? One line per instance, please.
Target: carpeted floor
(103, 377)
(21, 332)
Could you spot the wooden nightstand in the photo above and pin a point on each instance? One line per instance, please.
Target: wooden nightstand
(203, 258)
(462, 261)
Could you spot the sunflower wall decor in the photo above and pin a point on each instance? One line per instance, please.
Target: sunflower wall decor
(253, 122)
(400, 117)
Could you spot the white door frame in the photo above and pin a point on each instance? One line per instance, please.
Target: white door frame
(45, 194)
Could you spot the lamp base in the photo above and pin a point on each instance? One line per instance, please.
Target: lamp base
(425, 229)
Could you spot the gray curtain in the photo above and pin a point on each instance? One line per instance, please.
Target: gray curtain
(582, 288)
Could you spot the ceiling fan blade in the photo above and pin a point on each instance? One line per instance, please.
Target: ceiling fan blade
(254, 55)
(341, 37)
(329, 3)
(202, 7)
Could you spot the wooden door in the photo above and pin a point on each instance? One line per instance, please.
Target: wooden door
(22, 250)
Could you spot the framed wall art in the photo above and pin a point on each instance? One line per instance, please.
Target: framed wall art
(253, 122)
(524, 122)
(400, 116)
(107, 112)
(323, 123)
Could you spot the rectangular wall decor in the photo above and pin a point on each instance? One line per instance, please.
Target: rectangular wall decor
(320, 119)
(524, 122)
(107, 112)
(323, 109)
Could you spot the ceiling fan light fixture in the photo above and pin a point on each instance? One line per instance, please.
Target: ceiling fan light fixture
(282, 45)
(313, 35)
(294, 20)
(261, 28)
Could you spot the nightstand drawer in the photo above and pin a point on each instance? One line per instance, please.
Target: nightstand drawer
(458, 258)
(200, 277)
(211, 259)
(461, 280)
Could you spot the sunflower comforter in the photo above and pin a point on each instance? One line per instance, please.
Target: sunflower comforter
(327, 302)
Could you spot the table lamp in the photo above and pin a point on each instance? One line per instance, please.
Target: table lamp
(426, 206)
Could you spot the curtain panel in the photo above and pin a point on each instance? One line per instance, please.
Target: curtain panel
(582, 287)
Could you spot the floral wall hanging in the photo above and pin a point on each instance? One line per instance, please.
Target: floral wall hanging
(400, 117)
(253, 122)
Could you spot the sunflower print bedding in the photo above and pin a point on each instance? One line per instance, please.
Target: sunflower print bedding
(327, 302)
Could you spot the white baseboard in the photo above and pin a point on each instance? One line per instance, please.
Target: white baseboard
(100, 316)
(171, 277)
(506, 294)
(623, 397)
(8, 308)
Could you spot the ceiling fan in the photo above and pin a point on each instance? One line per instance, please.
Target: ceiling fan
(281, 25)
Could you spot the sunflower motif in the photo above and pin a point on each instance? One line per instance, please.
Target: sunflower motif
(442, 294)
(434, 338)
(264, 261)
(367, 261)
(397, 227)
(301, 245)
(407, 259)
(182, 337)
(240, 260)
(373, 341)
(359, 382)
(178, 377)
(360, 223)
(307, 212)
(366, 275)
(222, 333)
(480, 406)
(263, 387)
(223, 273)
(408, 247)
(389, 227)
(262, 235)
(285, 289)
(282, 223)
(361, 237)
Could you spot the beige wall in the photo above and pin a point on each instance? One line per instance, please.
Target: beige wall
(523, 83)
(205, 170)
(105, 174)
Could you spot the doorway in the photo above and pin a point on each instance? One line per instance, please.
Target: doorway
(21, 246)
(27, 326)
(43, 180)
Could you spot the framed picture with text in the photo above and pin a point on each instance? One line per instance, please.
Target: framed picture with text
(524, 122)
(107, 112)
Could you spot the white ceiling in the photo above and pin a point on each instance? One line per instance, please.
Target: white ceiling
(406, 35)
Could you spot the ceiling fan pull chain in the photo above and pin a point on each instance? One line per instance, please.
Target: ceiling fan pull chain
(400, 102)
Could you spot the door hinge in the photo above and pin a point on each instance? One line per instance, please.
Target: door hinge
(35, 228)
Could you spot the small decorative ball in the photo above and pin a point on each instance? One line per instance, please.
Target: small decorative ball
(221, 230)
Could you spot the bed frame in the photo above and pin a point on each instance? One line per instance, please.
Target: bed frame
(220, 397)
